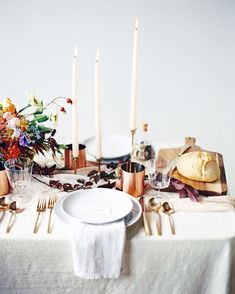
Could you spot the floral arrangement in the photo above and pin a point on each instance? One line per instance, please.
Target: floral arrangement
(30, 130)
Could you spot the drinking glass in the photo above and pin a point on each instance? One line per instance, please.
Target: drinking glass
(19, 172)
(159, 178)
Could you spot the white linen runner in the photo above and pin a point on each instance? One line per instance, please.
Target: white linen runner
(98, 249)
(206, 204)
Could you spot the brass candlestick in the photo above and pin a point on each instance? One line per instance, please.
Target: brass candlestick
(99, 164)
(75, 164)
(132, 141)
(132, 137)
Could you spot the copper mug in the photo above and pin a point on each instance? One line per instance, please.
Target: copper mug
(80, 161)
(132, 178)
(4, 184)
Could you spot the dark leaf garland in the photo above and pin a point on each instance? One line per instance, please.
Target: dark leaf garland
(94, 178)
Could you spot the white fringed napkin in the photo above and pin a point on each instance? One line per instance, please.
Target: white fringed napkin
(98, 249)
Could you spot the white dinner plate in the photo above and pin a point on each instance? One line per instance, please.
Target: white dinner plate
(108, 160)
(97, 206)
(113, 146)
(130, 219)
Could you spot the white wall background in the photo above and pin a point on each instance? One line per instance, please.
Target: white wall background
(187, 64)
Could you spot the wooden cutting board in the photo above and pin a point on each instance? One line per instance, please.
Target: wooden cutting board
(219, 187)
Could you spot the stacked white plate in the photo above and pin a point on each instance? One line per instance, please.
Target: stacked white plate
(98, 206)
(115, 148)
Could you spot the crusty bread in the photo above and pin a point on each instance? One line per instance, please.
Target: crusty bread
(198, 166)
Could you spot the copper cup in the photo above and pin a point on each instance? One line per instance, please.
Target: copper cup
(132, 178)
(80, 162)
(4, 184)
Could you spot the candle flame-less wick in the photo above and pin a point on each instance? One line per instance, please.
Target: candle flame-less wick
(136, 24)
(75, 52)
(97, 56)
(97, 59)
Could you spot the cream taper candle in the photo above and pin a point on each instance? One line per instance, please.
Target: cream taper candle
(97, 108)
(134, 80)
(75, 149)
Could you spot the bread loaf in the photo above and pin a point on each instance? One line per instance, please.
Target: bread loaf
(198, 166)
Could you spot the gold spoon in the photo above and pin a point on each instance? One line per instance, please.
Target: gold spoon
(13, 209)
(4, 205)
(169, 210)
(155, 206)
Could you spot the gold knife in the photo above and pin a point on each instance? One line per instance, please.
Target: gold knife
(145, 218)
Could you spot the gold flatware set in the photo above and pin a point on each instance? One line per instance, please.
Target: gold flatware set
(51, 203)
(157, 207)
(12, 208)
(41, 208)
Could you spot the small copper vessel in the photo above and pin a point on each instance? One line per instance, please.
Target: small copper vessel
(4, 183)
(132, 178)
(72, 163)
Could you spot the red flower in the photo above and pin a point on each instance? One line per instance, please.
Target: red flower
(13, 151)
(69, 100)
(62, 109)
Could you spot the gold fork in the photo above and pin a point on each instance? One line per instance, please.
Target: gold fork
(51, 203)
(41, 207)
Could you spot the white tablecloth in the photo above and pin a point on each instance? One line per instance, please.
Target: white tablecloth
(200, 259)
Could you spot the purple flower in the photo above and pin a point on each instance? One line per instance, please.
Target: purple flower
(24, 141)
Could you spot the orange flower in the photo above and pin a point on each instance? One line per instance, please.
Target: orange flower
(8, 106)
(23, 124)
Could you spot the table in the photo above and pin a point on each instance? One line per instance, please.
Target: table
(200, 259)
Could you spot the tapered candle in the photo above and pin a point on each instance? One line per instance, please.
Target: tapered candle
(75, 150)
(97, 108)
(134, 80)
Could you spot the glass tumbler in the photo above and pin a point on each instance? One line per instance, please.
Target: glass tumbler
(19, 172)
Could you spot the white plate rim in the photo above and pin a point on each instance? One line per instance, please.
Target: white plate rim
(106, 161)
(63, 217)
(90, 139)
(91, 219)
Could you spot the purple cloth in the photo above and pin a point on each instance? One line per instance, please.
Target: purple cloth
(185, 190)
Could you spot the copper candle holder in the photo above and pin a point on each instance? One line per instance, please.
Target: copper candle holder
(75, 163)
(4, 183)
(132, 178)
